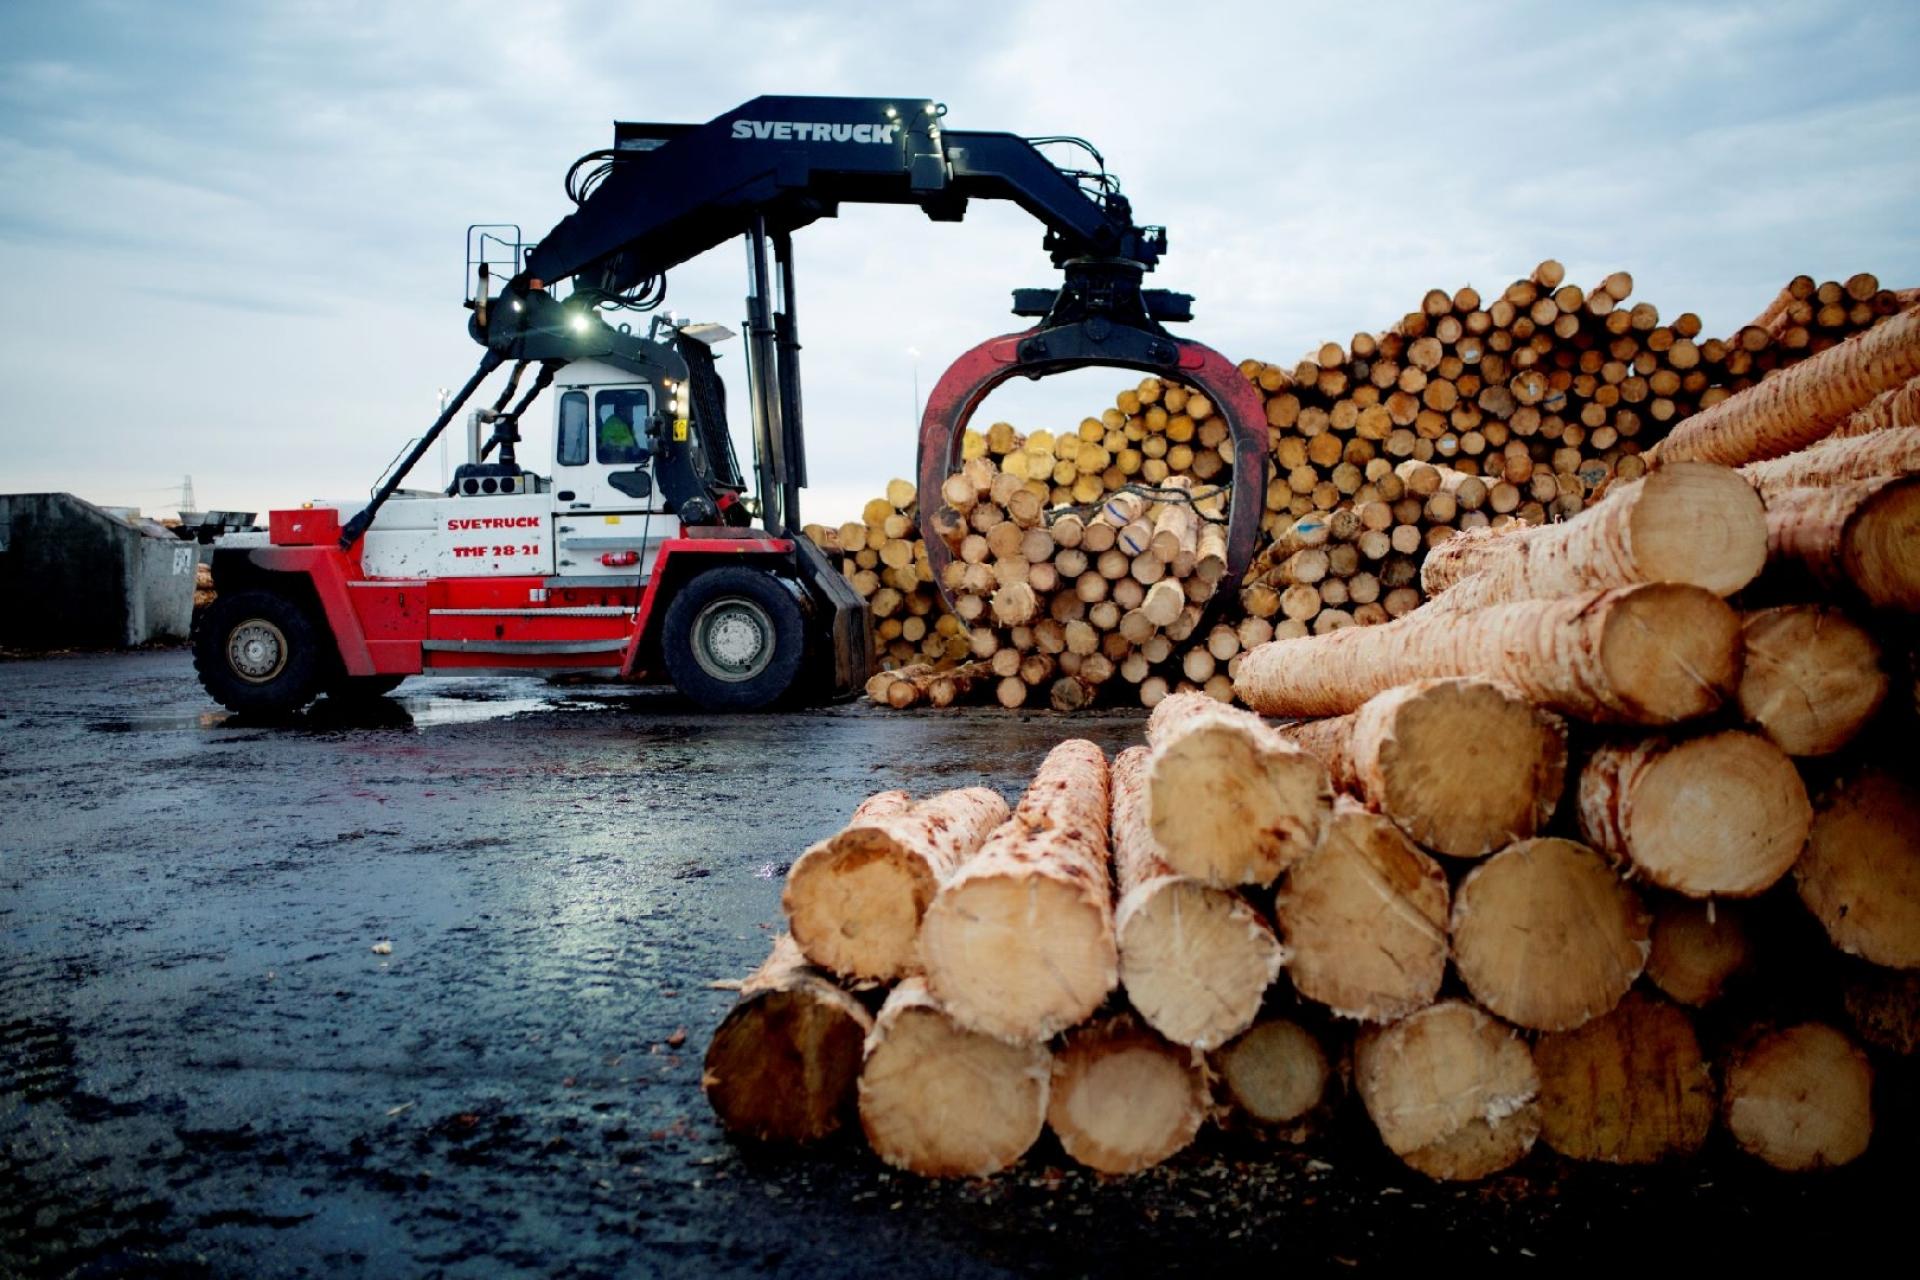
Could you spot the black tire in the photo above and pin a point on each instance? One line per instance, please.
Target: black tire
(261, 652)
(362, 688)
(734, 640)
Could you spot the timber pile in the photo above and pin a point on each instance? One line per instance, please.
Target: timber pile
(1473, 413)
(1713, 923)
(884, 558)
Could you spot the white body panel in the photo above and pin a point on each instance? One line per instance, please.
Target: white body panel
(460, 537)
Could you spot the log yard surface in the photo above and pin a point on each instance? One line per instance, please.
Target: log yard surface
(426, 993)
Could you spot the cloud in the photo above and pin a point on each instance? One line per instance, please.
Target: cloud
(240, 225)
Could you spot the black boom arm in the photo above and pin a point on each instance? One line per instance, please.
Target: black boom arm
(674, 191)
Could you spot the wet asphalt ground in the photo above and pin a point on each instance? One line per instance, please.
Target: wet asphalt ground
(205, 1069)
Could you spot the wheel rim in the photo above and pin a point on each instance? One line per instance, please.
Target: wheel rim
(257, 650)
(733, 639)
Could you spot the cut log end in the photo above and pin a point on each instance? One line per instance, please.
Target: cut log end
(1671, 653)
(782, 1065)
(1546, 935)
(1724, 814)
(1469, 767)
(1800, 1098)
(1628, 1088)
(1698, 948)
(1364, 919)
(1195, 962)
(1453, 1093)
(1860, 874)
(1699, 524)
(942, 1101)
(1276, 1074)
(1812, 678)
(1123, 1099)
(1230, 802)
(1019, 956)
(1881, 555)
(855, 904)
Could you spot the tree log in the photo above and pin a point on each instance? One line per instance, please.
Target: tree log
(1689, 522)
(1364, 919)
(1862, 537)
(854, 901)
(1649, 655)
(1801, 404)
(1721, 814)
(1800, 1098)
(1860, 874)
(1124, 1099)
(1230, 801)
(1546, 935)
(942, 1101)
(1019, 942)
(1275, 1075)
(1464, 766)
(1453, 1093)
(1195, 960)
(1630, 1087)
(1812, 678)
(782, 1065)
(1837, 462)
(1698, 948)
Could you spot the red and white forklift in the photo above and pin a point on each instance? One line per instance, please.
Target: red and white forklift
(634, 553)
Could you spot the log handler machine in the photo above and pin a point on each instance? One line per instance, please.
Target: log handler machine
(636, 556)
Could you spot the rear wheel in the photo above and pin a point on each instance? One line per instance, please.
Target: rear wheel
(734, 640)
(259, 651)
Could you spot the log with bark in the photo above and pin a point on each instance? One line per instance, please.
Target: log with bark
(1464, 766)
(854, 901)
(1629, 1087)
(1123, 1098)
(1195, 960)
(1860, 873)
(782, 1065)
(1838, 462)
(1803, 404)
(1453, 1092)
(1547, 936)
(1019, 942)
(942, 1101)
(1364, 919)
(1721, 814)
(1689, 522)
(1636, 655)
(1230, 801)
(1800, 1098)
(1861, 540)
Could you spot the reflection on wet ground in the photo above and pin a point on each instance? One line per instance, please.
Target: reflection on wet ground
(205, 1068)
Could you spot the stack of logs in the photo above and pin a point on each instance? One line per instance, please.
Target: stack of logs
(1060, 600)
(1471, 413)
(1725, 907)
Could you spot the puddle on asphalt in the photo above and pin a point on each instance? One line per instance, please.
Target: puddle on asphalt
(323, 716)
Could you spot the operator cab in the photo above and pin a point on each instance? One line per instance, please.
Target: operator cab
(609, 511)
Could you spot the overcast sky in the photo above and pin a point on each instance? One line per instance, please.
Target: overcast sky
(231, 234)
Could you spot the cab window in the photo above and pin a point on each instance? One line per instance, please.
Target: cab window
(621, 416)
(571, 449)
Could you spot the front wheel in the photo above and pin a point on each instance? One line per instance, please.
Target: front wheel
(734, 640)
(258, 651)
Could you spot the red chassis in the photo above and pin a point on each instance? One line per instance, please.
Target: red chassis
(409, 626)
